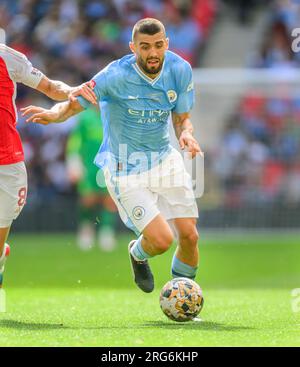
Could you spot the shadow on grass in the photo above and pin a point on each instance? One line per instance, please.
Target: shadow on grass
(13, 324)
(202, 325)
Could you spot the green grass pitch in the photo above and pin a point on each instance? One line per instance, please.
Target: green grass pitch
(58, 296)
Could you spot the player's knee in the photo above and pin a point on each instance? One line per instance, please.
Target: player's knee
(162, 242)
(190, 238)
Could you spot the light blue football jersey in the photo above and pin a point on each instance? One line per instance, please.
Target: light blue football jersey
(135, 111)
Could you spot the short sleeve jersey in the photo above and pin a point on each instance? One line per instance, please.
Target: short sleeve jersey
(135, 111)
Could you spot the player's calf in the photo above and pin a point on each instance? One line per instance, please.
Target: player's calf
(185, 260)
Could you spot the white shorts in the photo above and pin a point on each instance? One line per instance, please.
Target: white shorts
(165, 189)
(13, 192)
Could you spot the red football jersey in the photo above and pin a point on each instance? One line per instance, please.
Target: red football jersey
(14, 67)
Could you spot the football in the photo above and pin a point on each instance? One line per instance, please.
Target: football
(181, 299)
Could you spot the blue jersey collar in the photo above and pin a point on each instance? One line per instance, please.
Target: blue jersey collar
(146, 77)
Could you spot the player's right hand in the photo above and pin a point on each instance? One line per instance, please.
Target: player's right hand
(39, 115)
(86, 91)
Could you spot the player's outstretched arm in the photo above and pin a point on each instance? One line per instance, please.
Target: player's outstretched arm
(59, 91)
(58, 113)
(21, 71)
(184, 133)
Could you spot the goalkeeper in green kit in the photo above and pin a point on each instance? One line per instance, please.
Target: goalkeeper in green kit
(97, 211)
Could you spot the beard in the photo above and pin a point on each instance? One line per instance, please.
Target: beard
(150, 69)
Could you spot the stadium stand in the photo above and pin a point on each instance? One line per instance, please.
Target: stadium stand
(258, 165)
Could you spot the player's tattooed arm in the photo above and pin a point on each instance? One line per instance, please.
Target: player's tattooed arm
(182, 122)
(58, 113)
(184, 132)
(59, 91)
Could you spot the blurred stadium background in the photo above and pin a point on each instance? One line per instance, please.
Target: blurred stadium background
(247, 120)
(247, 113)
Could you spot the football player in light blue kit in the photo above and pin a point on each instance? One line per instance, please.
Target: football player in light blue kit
(145, 176)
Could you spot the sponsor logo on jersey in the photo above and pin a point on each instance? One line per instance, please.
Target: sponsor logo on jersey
(172, 95)
(149, 116)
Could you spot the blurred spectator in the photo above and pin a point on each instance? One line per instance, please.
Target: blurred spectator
(260, 156)
(276, 50)
(183, 30)
(259, 162)
(94, 199)
(244, 9)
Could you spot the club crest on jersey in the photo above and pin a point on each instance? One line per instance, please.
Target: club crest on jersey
(172, 95)
(138, 212)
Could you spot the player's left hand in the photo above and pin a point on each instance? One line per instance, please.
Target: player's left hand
(187, 140)
(39, 115)
(86, 91)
